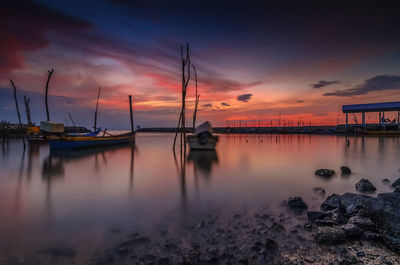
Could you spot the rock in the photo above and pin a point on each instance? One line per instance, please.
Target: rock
(397, 189)
(314, 215)
(277, 227)
(319, 191)
(199, 225)
(296, 203)
(345, 170)
(362, 222)
(324, 172)
(360, 254)
(271, 244)
(351, 230)
(332, 202)
(370, 235)
(396, 183)
(330, 235)
(364, 185)
(163, 261)
(386, 181)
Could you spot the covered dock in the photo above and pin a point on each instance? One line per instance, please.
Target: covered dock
(373, 107)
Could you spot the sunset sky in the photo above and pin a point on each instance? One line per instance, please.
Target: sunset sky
(301, 58)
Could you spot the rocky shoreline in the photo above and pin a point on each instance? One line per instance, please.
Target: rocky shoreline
(348, 229)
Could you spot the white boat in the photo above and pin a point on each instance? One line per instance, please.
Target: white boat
(203, 138)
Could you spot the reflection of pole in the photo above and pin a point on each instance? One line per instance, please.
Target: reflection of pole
(130, 107)
(131, 167)
(16, 102)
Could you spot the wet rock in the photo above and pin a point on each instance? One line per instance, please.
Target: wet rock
(351, 230)
(271, 244)
(296, 203)
(327, 222)
(386, 181)
(332, 202)
(319, 191)
(277, 227)
(362, 222)
(370, 235)
(364, 185)
(163, 261)
(397, 189)
(396, 183)
(324, 172)
(360, 254)
(314, 215)
(345, 170)
(200, 224)
(330, 235)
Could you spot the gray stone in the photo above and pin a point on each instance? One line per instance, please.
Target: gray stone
(386, 181)
(396, 183)
(351, 230)
(332, 202)
(296, 203)
(364, 185)
(362, 222)
(330, 235)
(314, 215)
(324, 172)
(370, 235)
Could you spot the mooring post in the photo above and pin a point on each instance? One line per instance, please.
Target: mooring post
(16, 103)
(347, 119)
(95, 113)
(46, 93)
(363, 119)
(130, 107)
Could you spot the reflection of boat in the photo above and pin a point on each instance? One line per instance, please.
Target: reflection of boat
(203, 160)
(71, 142)
(71, 154)
(379, 133)
(203, 138)
(95, 133)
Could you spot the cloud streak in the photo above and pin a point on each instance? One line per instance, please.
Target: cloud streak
(244, 97)
(376, 83)
(323, 83)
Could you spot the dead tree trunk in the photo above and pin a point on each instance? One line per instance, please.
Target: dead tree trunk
(47, 91)
(95, 113)
(185, 82)
(16, 102)
(28, 110)
(196, 101)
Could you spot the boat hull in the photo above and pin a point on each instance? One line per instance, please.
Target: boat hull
(88, 142)
(195, 144)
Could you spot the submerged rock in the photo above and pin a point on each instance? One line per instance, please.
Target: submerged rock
(319, 191)
(345, 170)
(397, 189)
(324, 172)
(296, 203)
(330, 235)
(386, 181)
(364, 185)
(396, 183)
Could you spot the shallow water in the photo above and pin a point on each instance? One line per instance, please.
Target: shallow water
(90, 199)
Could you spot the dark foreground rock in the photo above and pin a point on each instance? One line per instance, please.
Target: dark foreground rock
(324, 172)
(296, 203)
(364, 185)
(330, 235)
(345, 170)
(396, 183)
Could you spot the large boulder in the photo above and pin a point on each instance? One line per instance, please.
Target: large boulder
(330, 235)
(396, 183)
(314, 215)
(364, 185)
(324, 172)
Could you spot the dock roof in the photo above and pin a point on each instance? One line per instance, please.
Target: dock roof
(371, 107)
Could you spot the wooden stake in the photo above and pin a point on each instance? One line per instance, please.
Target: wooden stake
(95, 113)
(47, 91)
(197, 100)
(130, 107)
(16, 102)
(72, 120)
(28, 111)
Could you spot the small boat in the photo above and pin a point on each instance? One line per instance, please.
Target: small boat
(203, 138)
(76, 142)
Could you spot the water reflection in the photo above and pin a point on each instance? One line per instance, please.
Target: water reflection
(203, 161)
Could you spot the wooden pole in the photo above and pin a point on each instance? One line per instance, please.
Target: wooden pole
(16, 102)
(197, 100)
(28, 111)
(72, 119)
(130, 107)
(95, 113)
(47, 91)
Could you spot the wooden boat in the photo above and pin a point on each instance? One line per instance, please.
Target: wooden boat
(76, 142)
(203, 138)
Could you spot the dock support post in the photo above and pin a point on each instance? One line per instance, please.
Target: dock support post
(380, 118)
(398, 118)
(363, 119)
(383, 119)
(347, 119)
(16, 103)
(130, 107)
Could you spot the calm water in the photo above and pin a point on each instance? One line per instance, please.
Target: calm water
(90, 199)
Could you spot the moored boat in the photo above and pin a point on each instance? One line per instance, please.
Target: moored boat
(76, 142)
(203, 138)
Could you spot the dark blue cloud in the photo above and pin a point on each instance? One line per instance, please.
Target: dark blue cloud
(323, 83)
(376, 83)
(225, 104)
(207, 105)
(244, 97)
